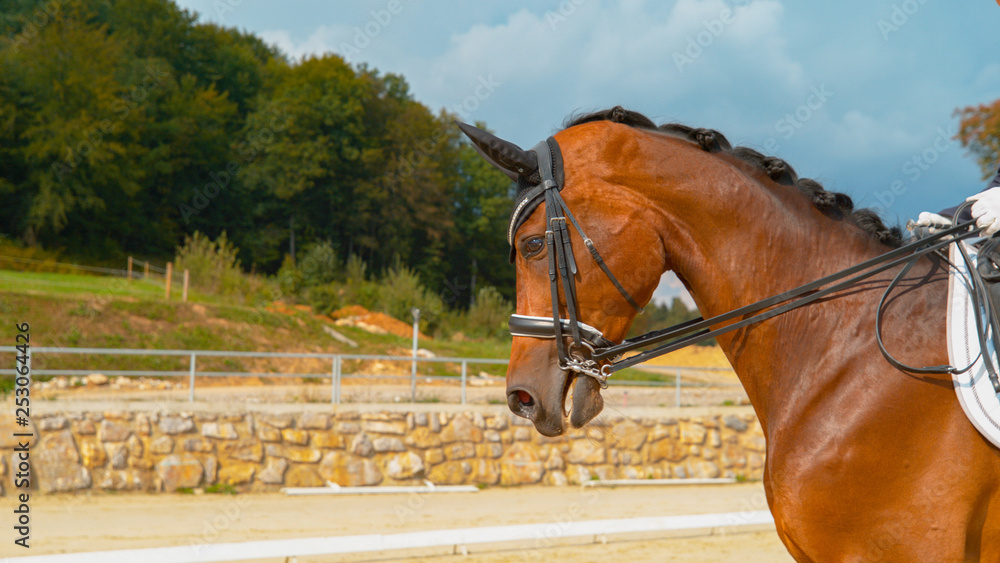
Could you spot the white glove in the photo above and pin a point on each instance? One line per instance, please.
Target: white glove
(935, 223)
(986, 211)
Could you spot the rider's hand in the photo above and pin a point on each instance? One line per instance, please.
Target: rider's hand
(986, 211)
(932, 221)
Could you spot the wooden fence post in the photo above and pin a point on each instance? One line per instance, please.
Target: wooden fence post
(129, 268)
(187, 275)
(145, 270)
(170, 277)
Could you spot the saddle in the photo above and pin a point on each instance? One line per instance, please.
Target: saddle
(988, 267)
(973, 295)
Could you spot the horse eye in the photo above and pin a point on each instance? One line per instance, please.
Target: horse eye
(533, 246)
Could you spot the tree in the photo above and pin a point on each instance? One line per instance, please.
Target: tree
(406, 193)
(355, 161)
(116, 118)
(66, 142)
(126, 125)
(226, 59)
(301, 157)
(482, 196)
(979, 132)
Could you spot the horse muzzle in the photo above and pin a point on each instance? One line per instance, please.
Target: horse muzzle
(541, 396)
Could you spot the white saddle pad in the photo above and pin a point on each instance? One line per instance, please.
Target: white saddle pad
(974, 389)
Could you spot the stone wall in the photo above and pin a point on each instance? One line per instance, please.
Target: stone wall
(135, 450)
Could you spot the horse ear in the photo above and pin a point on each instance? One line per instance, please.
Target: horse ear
(511, 159)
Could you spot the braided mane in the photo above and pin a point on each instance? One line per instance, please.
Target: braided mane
(835, 205)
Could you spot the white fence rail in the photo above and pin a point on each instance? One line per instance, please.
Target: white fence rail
(336, 372)
(542, 535)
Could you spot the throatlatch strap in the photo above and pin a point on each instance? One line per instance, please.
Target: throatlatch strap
(600, 261)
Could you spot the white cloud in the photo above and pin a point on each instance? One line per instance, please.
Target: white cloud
(281, 39)
(585, 54)
(603, 54)
(322, 40)
(521, 49)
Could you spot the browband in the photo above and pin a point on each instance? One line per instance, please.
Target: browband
(530, 196)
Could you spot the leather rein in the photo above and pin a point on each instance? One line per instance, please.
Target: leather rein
(591, 354)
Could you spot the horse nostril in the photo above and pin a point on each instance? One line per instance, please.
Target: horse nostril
(522, 404)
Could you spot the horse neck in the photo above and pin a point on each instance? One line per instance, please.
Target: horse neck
(733, 241)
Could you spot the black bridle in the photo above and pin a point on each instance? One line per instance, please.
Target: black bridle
(591, 354)
(580, 355)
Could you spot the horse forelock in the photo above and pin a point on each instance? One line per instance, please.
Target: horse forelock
(835, 205)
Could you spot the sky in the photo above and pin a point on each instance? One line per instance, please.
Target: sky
(858, 94)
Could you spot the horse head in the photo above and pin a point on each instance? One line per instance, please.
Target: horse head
(603, 300)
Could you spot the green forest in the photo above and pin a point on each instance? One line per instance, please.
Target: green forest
(128, 128)
(125, 126)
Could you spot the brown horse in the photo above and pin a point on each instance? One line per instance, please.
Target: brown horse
(864, 462)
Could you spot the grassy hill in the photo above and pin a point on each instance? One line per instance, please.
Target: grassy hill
(101, 312)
